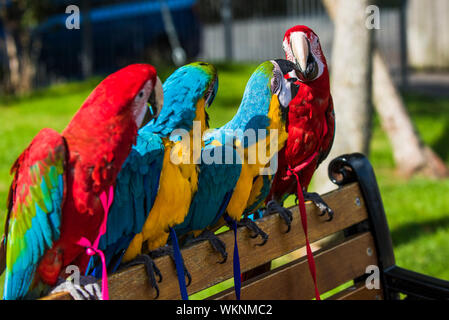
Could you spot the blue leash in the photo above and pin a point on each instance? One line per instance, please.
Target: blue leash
(179, 266)
(236, 259)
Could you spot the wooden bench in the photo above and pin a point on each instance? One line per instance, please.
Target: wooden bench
(364, 240)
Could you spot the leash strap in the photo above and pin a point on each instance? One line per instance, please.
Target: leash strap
(92, 249)
(179, 266)
(303, 213)
(236, 259)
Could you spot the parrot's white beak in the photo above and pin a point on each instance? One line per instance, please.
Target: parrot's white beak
(155, 102)
(158, 97)
(300, 49)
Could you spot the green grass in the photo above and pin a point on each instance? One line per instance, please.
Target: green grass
(417, 209)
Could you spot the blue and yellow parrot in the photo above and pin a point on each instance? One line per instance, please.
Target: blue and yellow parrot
(263, 109)
(227, 173)
(156, 184)
(216, 183)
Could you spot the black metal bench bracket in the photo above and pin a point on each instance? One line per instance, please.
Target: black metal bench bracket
(357, 168)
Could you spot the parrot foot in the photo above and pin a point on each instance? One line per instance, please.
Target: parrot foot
(286, 215)
(252, 226)
(151, 269)
(320, 204)
(215, 242)
(87, 288)
(168, 250)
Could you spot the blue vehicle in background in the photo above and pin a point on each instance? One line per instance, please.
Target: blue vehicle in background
(121, 33)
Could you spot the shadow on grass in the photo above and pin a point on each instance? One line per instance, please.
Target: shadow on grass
(413, 230)
(441, 146)
(425, 105)
(435, 108)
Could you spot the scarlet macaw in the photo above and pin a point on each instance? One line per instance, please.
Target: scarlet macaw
(153, 191)
(311, 119)
(58, 199)
(311, 128)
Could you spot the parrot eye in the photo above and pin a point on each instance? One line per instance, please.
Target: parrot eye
(140, 95)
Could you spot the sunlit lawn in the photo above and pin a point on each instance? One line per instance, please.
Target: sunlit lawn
(417, 210)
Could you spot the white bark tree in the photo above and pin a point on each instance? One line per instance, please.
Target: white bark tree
(350, 83)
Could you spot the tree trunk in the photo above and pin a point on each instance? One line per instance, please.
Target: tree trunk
(22, 51)
(410, 154)
(31, 49)
(350, 83)
(87, 54)
(13, 61)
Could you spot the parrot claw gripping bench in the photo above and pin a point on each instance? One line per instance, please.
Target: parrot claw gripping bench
(360, 260)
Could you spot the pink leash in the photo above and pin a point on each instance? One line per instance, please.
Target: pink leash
(106, 201)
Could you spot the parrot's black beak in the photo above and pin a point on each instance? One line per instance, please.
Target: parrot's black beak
(155, 103)
(284, 82)
(294, 86)
(211, 92)
(149, 115)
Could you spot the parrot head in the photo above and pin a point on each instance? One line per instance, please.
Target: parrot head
(130, 92)
(302, 47)
(211, 86)
(284, 81)
(188, 92)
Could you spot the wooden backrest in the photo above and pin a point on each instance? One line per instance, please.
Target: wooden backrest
(339, 260)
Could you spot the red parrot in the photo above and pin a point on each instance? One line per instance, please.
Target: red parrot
(311, 119)
(62, 184)
(310, 127)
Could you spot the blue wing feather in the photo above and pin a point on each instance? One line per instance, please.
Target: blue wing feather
(216, 183)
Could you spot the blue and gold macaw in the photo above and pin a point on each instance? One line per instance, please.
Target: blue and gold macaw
(261, 119)
(156, 184)
(264, 108)
(227, 188)
(218, 175)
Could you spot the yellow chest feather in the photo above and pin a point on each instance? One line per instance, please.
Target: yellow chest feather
(245, 190)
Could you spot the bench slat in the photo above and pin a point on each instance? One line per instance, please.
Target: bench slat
(358, 292)
(201, 260)
(335, 266)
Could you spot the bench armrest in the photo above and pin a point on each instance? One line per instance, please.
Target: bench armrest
(415, 285)
(356, 168)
